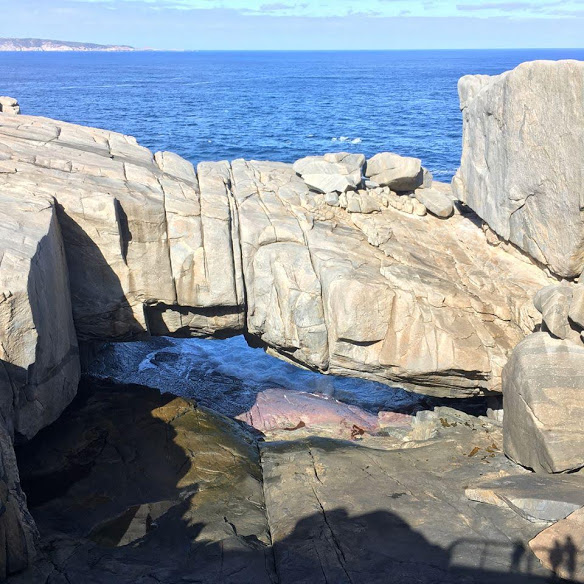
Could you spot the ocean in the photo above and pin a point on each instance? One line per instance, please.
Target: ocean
(264, 105)
(257, 105)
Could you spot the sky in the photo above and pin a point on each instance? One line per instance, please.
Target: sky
(300, 24)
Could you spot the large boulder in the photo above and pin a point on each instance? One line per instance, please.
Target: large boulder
(399, 173)
(8, 105)
(554, 304)
(521, 169)
(543, 393)
(335, 172)
(436, 202)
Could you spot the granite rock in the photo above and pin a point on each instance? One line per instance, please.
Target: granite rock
(543, 385)
(436, 202)
(521, 165)
(554, 303)
(9, 106)
(399, 173)
(535, 497)
(338, 172)
(559, 547)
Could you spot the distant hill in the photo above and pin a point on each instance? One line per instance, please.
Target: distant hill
(8, 44)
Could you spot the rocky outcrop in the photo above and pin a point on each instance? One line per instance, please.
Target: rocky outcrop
(102, 240)
(134, 486)
(154, 247)
(8, 105)
(521, 168)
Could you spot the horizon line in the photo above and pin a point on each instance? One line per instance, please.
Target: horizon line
(388, 50)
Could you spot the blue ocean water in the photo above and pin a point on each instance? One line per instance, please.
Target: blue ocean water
(264, 105)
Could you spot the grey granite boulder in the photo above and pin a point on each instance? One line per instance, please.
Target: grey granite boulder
(8, 105)
(543, 396)
(399, 173)
(436, 202)
(576, 312)
(339, 172)
(521, 169)
(554, 302)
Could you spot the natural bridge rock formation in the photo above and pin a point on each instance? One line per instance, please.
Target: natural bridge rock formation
(153, 247)
(101, 240)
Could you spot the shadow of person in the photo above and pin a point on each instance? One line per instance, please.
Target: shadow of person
(571, 556)
(556, 556)
(516, 556)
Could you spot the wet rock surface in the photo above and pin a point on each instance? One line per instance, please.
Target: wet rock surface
(134, 486)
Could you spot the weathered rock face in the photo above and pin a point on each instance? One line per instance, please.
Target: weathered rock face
(133, 227)
(543, 388)
(39, 362)
(154, 248)
(18, 532)
(543, 385)
(521, 168)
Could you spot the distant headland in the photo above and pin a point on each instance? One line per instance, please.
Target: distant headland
(12, 44)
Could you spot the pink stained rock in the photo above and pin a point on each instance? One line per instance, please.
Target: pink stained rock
(279, 409)
(394, 419)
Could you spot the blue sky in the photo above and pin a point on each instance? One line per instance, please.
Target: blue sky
(300, 24)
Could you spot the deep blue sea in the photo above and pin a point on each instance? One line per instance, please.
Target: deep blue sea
(264, 105)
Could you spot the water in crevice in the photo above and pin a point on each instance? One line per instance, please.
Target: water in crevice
(226, 375)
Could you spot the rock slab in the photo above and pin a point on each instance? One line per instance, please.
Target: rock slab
(521, 169)
(543, 401)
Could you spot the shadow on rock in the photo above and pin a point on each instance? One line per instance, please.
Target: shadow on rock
(130, 486)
